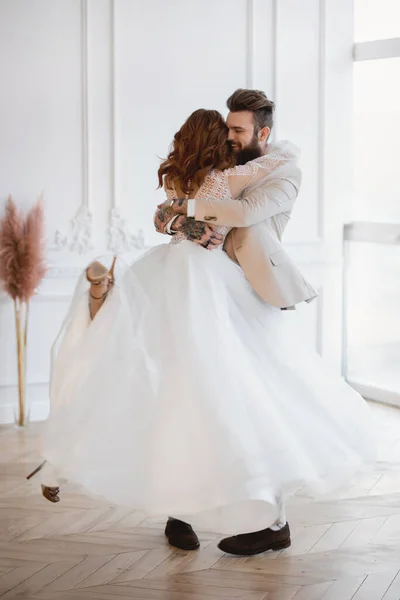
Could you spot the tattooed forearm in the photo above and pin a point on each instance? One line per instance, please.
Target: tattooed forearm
(162, 217)
(165, 214)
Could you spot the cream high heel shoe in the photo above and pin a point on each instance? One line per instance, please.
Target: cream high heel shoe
(49, 492)
(101, 281)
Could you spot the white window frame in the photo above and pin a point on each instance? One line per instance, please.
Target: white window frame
(383, 233)
(377, 49)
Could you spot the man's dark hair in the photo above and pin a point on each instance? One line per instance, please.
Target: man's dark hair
(256, 102)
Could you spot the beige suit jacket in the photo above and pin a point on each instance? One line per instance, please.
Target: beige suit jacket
(259, 219)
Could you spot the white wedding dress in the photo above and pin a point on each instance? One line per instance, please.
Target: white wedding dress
(189, 396)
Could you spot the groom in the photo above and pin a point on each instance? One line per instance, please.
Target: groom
(258, 220)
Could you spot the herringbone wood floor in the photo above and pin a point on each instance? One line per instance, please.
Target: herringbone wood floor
(347, 547)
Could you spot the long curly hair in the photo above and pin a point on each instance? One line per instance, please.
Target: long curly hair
(199, 146)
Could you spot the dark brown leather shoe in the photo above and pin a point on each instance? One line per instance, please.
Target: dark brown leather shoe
(181, 535)
(247, 544)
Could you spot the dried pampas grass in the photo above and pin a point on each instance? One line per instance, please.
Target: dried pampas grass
(22, 268)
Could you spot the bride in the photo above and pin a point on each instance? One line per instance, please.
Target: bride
(177, 390)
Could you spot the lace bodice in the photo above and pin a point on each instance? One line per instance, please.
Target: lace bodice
(229, 184)
(215, 185)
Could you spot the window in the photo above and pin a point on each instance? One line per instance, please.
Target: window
(376, 20)
(376, 134)
(372, 239)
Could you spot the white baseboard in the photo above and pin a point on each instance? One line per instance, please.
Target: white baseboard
(38, 401)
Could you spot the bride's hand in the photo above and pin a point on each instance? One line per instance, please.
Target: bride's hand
(180, 206)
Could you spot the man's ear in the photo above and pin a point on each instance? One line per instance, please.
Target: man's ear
(263, 134)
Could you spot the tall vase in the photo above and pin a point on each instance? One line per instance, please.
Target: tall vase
(21, 413)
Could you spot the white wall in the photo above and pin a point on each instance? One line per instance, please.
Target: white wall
(92, 93)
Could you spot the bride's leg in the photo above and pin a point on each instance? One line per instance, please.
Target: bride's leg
(101, 281)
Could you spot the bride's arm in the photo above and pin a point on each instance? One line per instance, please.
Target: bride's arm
(165, 216)
(168, 221)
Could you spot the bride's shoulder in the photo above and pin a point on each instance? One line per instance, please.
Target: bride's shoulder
(213, 177)
(214, 184)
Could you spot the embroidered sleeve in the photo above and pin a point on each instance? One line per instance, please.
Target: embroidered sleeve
(215, 185)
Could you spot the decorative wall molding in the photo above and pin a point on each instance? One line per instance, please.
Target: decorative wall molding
(319, 342)
(321, 120)
(81, 236)
(79, 240)
(274, 91)
(41, 297)
(63, 272)
(250, 45)
(113, 112)
(120, 238)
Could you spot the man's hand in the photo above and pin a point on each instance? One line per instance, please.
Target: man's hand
(198, 232)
